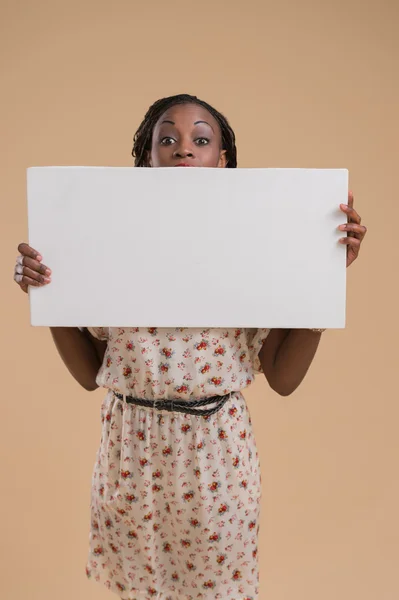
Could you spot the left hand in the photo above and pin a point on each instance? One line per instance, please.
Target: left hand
(356, 231)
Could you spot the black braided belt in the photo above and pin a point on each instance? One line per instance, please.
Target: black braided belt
(190, 406)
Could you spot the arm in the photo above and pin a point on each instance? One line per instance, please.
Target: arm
(287, 354)
(81, 353)
(286, 357)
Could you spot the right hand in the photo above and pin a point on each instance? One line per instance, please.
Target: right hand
(29, 270)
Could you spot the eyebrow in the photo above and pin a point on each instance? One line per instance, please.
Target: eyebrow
(206, 123)
(196, 123)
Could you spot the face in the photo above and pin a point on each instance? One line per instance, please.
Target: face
(187, 135)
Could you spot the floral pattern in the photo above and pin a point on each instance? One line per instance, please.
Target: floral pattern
(176, 497)
(180, 363)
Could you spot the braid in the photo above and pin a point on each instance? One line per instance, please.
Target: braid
(142, 140)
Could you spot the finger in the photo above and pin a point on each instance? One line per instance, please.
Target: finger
(36, 266)
(36, 276)
(29, 281)
(26, 250)
(25, 281)
(350, 206)
(353, 216)
(357, 230)
(350, 241)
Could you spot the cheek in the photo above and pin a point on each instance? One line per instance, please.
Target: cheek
(157, 156)
(210, 156)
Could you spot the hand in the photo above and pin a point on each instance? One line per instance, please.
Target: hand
(29, 270)
(356, 231)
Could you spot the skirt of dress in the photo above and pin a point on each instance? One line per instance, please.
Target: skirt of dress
(175, 504)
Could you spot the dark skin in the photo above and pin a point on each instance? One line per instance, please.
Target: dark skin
(189, 135)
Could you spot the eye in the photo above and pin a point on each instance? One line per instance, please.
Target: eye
(167, 141)
(202, 141)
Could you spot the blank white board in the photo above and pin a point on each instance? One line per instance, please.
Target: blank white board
(181, 247)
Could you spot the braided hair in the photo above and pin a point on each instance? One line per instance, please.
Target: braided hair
(142, 140)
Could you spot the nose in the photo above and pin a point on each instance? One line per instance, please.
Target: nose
(183, 151)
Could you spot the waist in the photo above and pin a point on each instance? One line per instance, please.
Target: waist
(199, 407)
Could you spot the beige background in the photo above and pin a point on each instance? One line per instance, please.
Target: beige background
(305, 84)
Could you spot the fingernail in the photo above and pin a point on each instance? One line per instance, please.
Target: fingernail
(48, 271)
(39, 257)
(344, 206)
(47, 279)
(342, 227)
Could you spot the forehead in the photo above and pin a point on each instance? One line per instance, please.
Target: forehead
(185, 115)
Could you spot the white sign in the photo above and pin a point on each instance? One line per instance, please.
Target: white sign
(181, 247)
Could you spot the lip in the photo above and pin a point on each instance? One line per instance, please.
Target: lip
(183, 165)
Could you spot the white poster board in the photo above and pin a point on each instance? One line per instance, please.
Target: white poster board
(181, 247)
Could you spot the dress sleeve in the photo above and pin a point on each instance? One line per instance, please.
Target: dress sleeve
(100, 333)
(255, 339)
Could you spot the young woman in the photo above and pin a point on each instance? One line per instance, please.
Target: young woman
(176, 485)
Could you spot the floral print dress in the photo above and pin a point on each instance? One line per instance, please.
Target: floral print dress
(176, 497)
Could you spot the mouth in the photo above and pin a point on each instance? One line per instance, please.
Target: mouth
(183, 165)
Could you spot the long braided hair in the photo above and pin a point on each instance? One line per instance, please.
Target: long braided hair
(142, 140)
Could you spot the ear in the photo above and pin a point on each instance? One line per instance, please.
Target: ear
(222, 159)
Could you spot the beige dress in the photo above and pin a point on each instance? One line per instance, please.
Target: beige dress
(176, 497)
